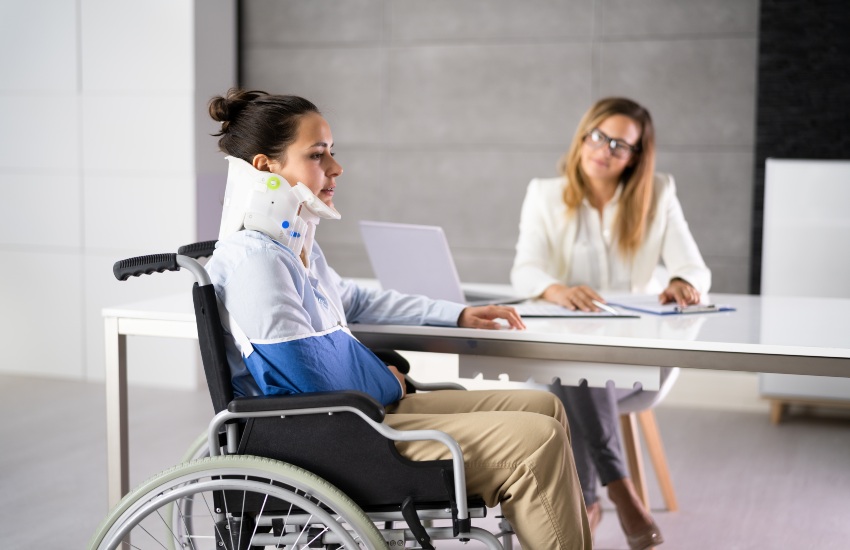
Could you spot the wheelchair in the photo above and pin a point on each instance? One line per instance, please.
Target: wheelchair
(317, 470)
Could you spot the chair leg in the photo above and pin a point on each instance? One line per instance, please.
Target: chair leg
(777, 411)
(659, 460)
(631, 445)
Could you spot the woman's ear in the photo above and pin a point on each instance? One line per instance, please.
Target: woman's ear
(261, 163)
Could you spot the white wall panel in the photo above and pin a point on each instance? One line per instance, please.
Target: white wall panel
(144, 213)
(137, 46)
(40, 209)
(138, 134)
(38, 39)
(39, 133)
(99, 101)
(40, 329)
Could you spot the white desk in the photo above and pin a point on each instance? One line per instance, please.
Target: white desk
(765, 334)
(170, 316)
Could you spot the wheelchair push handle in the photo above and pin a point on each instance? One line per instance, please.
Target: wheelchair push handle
(203, 249)
(185, 258)
(145, 265)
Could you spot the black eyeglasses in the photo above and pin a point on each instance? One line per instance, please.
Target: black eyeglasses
(619, 148)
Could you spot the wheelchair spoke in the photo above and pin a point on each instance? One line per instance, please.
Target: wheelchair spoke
(257, 520)
(212, 516)
(303, 528)
(189, 502)
(314, 539)
(285, 523)
(244, 496)
(167, 526)
(153, 538)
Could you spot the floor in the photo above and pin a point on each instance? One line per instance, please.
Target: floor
(741, 482)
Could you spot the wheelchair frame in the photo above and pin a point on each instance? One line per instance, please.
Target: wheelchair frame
(226, 472)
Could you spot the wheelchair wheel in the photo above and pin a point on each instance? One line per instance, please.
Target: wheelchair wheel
(237, 503)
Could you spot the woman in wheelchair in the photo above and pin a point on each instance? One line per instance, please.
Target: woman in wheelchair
(287, 313)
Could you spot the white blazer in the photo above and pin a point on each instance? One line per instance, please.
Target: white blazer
(547, 232)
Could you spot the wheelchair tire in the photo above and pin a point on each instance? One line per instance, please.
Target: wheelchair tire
(312, 512)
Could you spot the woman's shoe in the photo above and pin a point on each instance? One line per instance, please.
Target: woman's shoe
(624, 497)
(647, 539)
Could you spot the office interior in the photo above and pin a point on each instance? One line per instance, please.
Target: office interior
(442, 112)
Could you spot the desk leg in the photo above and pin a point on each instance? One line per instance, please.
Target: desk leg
(117, 463)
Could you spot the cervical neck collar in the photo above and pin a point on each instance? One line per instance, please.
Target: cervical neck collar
(267, 203)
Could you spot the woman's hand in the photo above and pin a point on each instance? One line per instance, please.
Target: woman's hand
(681, 292)
(400, 377)
(573, 297)
(483, 317)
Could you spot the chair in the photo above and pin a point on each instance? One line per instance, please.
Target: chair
(637, 408)
(299, 471)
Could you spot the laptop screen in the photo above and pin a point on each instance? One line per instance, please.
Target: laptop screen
(412, 259)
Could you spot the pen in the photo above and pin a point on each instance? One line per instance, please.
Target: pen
(697, 308)
(605, 307)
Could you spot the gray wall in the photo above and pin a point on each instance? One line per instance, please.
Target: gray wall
(443, 110)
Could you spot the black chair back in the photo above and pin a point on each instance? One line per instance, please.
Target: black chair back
(210, 334)
(211, 342)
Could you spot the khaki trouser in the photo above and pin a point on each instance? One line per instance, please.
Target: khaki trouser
(517, 453)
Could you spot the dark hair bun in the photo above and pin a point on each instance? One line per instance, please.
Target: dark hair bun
(225, 109)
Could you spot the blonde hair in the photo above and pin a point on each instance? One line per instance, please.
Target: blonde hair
(635, 208)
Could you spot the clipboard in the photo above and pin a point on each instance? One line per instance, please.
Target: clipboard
(648, 303)
(542, 308)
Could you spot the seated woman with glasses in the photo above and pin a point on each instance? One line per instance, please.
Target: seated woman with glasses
(605, 225)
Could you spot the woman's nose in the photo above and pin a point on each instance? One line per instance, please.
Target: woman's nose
(335, 169)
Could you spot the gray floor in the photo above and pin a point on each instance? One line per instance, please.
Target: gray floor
(741, 482)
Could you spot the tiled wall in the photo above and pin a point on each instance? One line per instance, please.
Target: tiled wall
(97, 163)
(443, 110)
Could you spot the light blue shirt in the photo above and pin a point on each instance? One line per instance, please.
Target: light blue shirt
(296, 320)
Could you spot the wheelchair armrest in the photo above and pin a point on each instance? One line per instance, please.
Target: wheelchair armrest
(348, 398)
(426, 386)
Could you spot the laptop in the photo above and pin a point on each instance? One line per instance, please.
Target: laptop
(416, 259)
